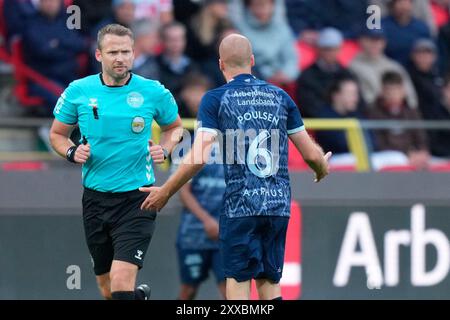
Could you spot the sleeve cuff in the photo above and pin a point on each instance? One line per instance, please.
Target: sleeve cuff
(210, 130)
(292, 131)
(167, 123)
(65, 121)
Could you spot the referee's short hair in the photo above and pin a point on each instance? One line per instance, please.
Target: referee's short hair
(115, 29)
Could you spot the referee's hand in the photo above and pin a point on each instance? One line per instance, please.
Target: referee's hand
(82, 153)
(156, 152)
(156, 199)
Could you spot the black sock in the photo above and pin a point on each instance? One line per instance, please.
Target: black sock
(139, 294)
(278, 298)
(123, 295)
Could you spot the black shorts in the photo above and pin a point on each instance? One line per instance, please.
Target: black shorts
(116, 228)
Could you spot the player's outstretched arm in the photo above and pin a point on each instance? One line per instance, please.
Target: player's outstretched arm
(312, 154)
(190, 165)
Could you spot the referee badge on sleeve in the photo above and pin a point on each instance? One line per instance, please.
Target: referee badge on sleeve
(138, 124)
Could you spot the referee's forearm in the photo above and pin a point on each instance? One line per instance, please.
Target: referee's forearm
(171, 137)
(60, 143)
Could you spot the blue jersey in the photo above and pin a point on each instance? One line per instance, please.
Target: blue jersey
(117, 124)
(208, 187)
(253, 120)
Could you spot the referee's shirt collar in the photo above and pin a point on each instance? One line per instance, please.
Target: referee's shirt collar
(103, 82)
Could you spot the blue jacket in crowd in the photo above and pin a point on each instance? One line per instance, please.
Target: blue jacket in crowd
(51, 48)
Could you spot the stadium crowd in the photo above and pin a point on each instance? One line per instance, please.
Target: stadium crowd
(321, 52)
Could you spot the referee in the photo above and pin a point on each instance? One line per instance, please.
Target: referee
(115, 110)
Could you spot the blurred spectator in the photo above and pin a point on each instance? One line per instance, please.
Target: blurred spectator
(210, 67)
(184, 10)
(402, 30)
(444, 49)
(440, 139)
(421, 10)
(348, 16)
(92, 12)
(317, 79)
(434, 94)
(296, 16)
(203, 29)
(371, 63)
(193, 88)
(145, 42)
(16, 14)
(392, 105)
(272, 39)
(342, 102)
(51, 49)
(159, 11)
(424, 75)
(122, 13)
(173, 63)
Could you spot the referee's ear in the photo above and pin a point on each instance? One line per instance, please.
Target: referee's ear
(98, 55)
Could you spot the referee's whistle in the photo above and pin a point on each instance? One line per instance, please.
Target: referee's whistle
(84, 141)
(95, 111)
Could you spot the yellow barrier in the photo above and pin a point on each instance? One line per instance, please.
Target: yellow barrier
(354, 133)
(355, 137)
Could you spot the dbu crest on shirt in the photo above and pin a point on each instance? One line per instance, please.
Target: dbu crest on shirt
(138, 124)
(135, 99)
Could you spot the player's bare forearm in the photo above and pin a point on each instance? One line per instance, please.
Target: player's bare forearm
(59, 137)
(185, 172)
(171, 135)
(190, 165)
(191, 203)
(312, 153)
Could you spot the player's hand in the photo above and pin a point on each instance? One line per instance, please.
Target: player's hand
(156, 152)
(156, 199)
(325, 169)
(82, 153)
(211, 228)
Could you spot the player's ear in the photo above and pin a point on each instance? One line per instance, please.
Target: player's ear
(252, 61)
(98, 55)
(221, 65)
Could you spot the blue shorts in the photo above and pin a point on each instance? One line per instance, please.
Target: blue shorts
(253, 247)
(195, 265)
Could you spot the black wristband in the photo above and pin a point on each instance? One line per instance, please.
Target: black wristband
(166, 153)
(70, 154)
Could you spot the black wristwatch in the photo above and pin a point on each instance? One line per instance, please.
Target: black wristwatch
(166, 153)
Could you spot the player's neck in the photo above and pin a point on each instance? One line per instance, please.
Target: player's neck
(230, 75)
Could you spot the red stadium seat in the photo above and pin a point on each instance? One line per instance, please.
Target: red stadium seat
(308, 53)
(399, 168)
(442, 167)
(441, 16)
(21, 87)
(23, 74)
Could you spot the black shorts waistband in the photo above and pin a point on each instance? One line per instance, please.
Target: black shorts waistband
(112, 194)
